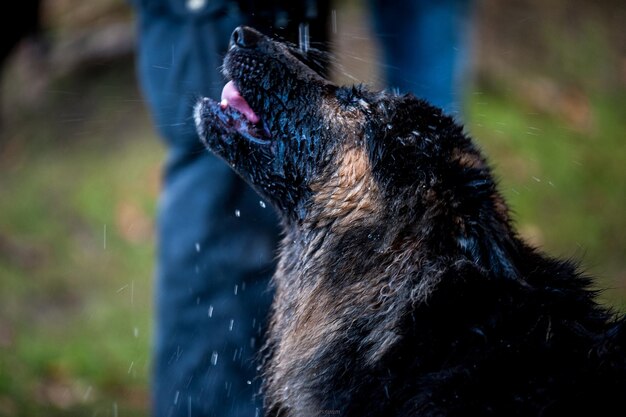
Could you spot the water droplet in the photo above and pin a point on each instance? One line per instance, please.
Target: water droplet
(237, 213)
(236, 288)
(136, 332)
(210, 311)
(262, 203)
(87, 393)
(176, 397)
(303, 38)
(230, 326)
(195, 5)
(197, 246)
(334, 20)
(249, 382)
(214, 358)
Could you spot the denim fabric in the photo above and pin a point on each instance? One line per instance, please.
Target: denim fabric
(424, 45)
(215, 242)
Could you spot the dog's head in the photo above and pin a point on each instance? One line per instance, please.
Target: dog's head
(271, 125)
(306, 144)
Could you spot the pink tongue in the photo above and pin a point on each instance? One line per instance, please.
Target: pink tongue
(232, 97)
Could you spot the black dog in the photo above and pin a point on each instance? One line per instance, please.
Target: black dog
(402, 288)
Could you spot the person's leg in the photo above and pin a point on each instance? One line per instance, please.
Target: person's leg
(212, 296)
(215, 241)
(424, 46)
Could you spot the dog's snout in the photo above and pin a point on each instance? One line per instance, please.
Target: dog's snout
(245, 37)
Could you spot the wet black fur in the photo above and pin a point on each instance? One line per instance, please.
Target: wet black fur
(430, 305)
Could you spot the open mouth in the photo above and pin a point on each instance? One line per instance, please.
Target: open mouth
(235, 114)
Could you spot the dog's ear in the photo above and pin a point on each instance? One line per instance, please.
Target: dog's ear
(418, 150)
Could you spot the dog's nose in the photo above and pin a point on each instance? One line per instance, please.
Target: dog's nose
(245, 37)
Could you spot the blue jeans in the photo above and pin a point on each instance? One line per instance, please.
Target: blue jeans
(424, 45)
(216, 242)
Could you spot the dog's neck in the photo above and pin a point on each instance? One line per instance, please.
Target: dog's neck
(355, 250)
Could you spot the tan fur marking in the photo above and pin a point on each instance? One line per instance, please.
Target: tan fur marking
(351, 193)
(467, 160)
(501, 207)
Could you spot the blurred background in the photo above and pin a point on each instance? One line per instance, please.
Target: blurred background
(80, 173)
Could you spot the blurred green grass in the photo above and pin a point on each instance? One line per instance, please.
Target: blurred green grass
(566, 186)
(76, 254)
